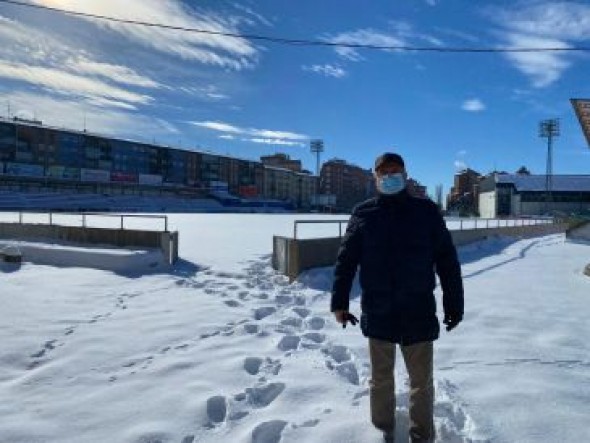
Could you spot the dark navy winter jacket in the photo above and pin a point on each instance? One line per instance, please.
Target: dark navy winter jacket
(398, 242)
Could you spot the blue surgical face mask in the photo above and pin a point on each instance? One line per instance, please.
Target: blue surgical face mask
(390, 184)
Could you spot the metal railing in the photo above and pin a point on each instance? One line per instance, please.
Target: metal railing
(475, 223)
(487, 223)
(85, 216)
(297, 222)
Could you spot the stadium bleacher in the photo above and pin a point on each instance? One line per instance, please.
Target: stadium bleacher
(71, 201)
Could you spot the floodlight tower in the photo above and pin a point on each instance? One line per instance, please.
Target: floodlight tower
(549, 129)
(317, 147)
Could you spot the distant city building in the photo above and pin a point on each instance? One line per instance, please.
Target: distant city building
(350, 184)
(463, 196)
(281, 160)
(295, 187)
(503, 195)
(416, 189)
(439, 196)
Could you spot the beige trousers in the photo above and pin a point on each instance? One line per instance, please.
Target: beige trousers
(418, 359)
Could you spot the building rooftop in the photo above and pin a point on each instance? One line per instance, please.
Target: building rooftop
(560, 183)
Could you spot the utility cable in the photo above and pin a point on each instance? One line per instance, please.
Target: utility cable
(301, 42)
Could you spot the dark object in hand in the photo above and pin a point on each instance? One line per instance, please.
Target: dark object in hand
(350, 318)
(452, 320)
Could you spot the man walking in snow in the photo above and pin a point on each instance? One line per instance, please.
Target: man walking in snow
(399, 242)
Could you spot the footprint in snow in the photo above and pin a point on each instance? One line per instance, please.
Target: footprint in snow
(48, 346)
(251, 328)
(316, 323)
(263, 312)
(340, 360)
(220, 409)
(306, 424)
(302, 312)
(263, 395)
(283, 299)
(268, 431)
(256, 365)
(315, 337)
(217, 409)
(289, 343)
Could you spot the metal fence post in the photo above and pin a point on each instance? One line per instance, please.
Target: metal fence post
(83, 220)
(50, 218)
(122, 217)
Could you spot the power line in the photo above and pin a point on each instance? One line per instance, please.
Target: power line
(301, 42)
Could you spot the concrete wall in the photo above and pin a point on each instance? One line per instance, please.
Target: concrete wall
(487, 205)
(316, 253)
(291, 257)
(580, 232)
(467, 236)
(166, 241)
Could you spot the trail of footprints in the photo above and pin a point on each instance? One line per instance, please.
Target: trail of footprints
(295, 329)
(42, 355)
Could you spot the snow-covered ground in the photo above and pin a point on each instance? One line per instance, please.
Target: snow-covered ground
(223, 349)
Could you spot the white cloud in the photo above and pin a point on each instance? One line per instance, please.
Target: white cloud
(400, 34)
(209, 93)
(431, 2)
(462, 153)
(217, 96)
(219, 50)
(117, 73)
(543, 68)
(260, 18)
(558, 20)
(220, 126)
(274, 141)
(363, 37)
(71, 113)
(327, 70)
(543, 24)
(41, 60)
(473, 105)
(69, 84)
(265, 136)
(278, 134)
(267, 141)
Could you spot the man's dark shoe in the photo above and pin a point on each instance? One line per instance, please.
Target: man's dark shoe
(389, 437)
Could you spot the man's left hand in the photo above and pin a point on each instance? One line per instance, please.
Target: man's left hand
(452, 320)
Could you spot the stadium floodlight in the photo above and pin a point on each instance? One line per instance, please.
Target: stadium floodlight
(549, 129)
(317, 147)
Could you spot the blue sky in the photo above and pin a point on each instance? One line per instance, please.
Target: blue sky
(442, 112)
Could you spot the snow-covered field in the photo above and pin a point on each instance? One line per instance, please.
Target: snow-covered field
(222, 349)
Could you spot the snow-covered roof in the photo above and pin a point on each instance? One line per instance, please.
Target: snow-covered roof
(531, 183)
